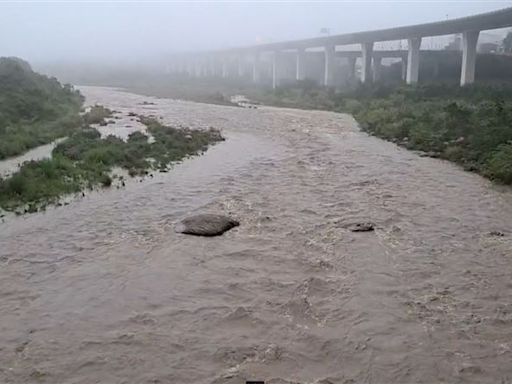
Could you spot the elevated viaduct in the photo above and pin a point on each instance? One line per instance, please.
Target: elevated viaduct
(222, 62)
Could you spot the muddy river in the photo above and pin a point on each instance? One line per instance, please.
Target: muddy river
(104, 291)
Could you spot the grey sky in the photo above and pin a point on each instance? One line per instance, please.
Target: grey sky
(113, 31)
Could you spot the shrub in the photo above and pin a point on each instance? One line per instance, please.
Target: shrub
(499, 165)
(97, 115)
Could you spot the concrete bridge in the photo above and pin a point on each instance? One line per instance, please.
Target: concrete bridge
(222, 62)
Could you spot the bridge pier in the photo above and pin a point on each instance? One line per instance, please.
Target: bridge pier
(189, 68)
(256, 68)
(329, 51)
(197, 69)
(413, 60)
(225, 69)
(276, 70)
(404, 68)
(377, 68)
(351, 67)
(300, 67)
(366, 62)
(205, 69)
(240, 66)
(469, 42)
(210, 67)
(217, 69)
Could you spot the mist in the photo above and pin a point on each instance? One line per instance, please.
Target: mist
(114, 33)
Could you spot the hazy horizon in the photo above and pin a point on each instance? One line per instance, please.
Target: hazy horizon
(132, 32)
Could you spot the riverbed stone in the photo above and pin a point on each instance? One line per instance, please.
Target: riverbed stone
(206, 224)
(362, 227)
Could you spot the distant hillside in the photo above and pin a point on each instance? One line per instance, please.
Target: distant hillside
(34, 109)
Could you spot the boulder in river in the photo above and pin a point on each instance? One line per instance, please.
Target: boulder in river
(206, 225)
(362, 227)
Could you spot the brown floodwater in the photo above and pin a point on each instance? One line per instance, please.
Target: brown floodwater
(104, 291)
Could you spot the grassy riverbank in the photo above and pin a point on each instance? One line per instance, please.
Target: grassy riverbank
(85, 161)
(471, 126)
(34, 109)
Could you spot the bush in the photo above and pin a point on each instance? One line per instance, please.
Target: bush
(97, 115)
(499, 165)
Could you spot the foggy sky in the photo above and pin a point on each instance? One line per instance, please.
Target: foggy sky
(131, 31)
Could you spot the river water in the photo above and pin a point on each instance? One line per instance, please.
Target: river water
(104, 291)
(11, 165)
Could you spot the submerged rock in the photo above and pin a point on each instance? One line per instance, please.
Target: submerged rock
(206, 225)
(362, 227)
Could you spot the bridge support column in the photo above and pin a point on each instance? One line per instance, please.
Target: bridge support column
(200, 69)
(204, 69)
(469, 42)
(329, 65)
(197, 69)
(366, 62)
(300, 68)
(256, 68)
(276, 69)
(241, 67)
(225, 69)
(213, 67)
(404, 68)
(413, 60)
(351, 67)
(189, 69)
(377, 68)
(435, 73)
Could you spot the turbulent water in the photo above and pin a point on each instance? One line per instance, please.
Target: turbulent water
(104, 291)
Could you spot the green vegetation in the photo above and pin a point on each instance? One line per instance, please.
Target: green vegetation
(85, 160)
(34, 109)
(471, 126)
(97, 115)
